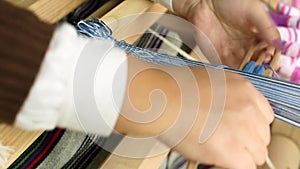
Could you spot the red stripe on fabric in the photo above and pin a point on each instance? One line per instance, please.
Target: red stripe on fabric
(295, 75)
(298, 53)
(279, 70)
(283, 9)
(292, 60)
(46, 149)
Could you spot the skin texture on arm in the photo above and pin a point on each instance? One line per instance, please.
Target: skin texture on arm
(242, 135)
(231, 25)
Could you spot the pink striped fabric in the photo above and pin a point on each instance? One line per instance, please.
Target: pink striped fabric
(289, 68)
(286, 15)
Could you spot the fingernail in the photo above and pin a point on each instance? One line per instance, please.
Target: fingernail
(268, 58)
(278, 44)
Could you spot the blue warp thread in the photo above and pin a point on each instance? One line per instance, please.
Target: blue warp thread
(252, 68)
(283, 96)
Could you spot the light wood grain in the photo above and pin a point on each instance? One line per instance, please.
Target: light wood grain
(283, 152)
(155, 154)
(18, 139)
(275, 63)
(248, 56)
(126, 18)
(22, 3)
(292, 132)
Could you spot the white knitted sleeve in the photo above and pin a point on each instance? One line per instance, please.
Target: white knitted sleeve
(50, 102)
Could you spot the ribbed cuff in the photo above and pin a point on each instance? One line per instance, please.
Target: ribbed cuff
(24, 41)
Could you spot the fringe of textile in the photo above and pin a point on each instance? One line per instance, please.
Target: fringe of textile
(5, 152)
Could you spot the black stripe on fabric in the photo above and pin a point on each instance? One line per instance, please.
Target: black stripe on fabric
(34, 147)
(84, 155)
(88, 156)
(23, 157)
(110, 144)
(62, 131)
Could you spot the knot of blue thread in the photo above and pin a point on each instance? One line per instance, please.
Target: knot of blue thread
(95, 28)
(275, 74)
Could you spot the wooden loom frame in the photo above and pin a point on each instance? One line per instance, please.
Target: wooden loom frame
(20, 139)
(52, 11)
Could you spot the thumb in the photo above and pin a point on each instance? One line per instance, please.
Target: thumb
(259, 17)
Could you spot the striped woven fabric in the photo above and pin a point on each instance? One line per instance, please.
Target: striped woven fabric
(62, 148)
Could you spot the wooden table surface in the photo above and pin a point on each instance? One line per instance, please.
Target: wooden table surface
(51, 11)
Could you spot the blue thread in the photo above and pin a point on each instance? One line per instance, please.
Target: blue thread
(285, 109)
(249, 68)
(259, 70)
(252, 68)
(273, 70)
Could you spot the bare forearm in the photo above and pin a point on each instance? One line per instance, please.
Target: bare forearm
(151, 94)
(162, 93)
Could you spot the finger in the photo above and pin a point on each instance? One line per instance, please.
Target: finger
(235, 157)
(264, 121)
(268, 59)
(261, 127)
(270, 50)
(257, 148)
(262, 45)
(261, 20)
(264, 50)
(264, 132)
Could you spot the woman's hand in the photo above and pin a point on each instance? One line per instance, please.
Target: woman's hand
(242, 129)
(231, 25)
(241, 138)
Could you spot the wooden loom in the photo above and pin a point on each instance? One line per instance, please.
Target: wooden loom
(52, 11)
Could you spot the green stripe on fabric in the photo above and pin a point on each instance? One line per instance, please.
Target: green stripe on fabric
(29, 151)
